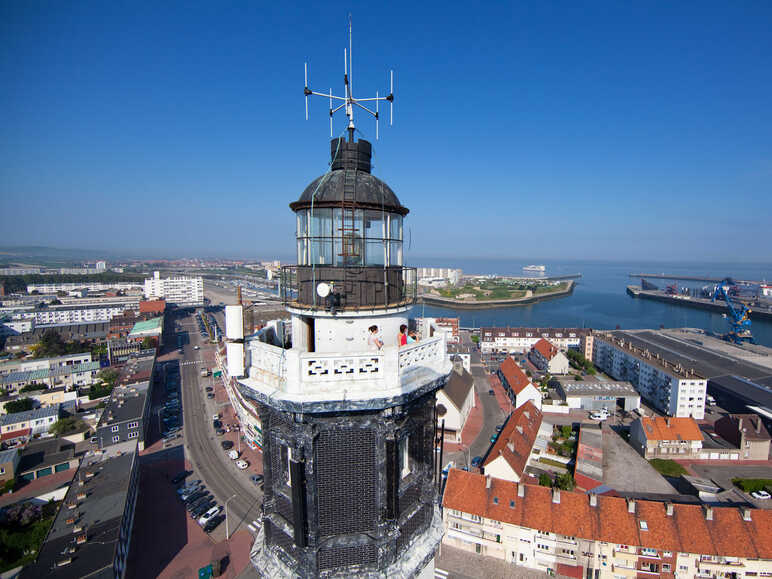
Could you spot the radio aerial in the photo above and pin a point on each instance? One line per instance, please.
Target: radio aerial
(348, 101)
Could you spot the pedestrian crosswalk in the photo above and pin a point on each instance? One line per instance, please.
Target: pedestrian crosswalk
(440, 574)
(254, 527)
(189, 362)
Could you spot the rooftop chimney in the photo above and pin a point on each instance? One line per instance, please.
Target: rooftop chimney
(708, 513)
(487, 481)
(669, 509)
(521, 490)
(667, 421)
(556, 496)
(758, 425)
(631, 506)
(593, 500)
(746, 513)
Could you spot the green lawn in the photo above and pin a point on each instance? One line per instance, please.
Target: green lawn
(667, 467)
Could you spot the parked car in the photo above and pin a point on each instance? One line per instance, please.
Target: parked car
(233, 455)
(491, 392)
(204, 519)
(242, 464)
(499, 427)
(202, 508)
(476, 461)
(209, 389)
(186, 494)
(761, 495)
(219, 432)
(196, 347)
(210, 395)
(217, 424)
(195, 496)
(212, 523)
(598, 416)
(193, 505)
(256, 478)
(179, 477)
(226, 444)
(216, 416)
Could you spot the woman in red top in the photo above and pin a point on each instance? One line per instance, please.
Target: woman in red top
(402, 338)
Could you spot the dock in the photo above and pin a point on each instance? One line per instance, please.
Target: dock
(676, 277)
(758, 311)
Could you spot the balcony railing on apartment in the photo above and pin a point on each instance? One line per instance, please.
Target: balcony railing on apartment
(292, 371)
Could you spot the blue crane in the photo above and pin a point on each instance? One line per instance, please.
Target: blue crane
(739, 323)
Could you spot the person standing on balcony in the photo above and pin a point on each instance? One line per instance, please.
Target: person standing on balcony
(402, 336)
(373, 340)
(412, 338)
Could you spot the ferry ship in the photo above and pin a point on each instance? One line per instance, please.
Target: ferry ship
(541, 268)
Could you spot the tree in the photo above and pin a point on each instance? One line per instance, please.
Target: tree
(51, 344)
(565, 482)
(21, 405)
(565, 430)
(475, 338)
(148, 343)
(545, 480)
(65, 426)
(109, 376)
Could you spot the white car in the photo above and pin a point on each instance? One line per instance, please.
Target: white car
(598, 416)
(761, 495)
(242, 464)
(208, 515)
(196, 347)
(233, 454)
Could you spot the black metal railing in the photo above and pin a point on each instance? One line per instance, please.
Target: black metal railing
(348, 288)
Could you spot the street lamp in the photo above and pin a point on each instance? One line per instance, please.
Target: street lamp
(227, 533)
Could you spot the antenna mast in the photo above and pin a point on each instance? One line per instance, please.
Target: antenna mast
(348, 101)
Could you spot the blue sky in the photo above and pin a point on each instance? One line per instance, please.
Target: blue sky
(539, 130)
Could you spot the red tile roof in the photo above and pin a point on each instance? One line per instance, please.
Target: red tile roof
(514, 376)
(659, 428)
(516, 439)
(546, 349)
(687, 530)
(15, 434)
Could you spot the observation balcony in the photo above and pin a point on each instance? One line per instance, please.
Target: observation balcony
(313, 381)
(351, 288)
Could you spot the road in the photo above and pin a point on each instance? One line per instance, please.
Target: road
(492, 413)
(202, 448)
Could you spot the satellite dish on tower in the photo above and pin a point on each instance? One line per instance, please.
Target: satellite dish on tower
(323, 290)
(348, 101)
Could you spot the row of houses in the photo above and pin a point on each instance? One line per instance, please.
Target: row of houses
(521, 340)
(575, 534)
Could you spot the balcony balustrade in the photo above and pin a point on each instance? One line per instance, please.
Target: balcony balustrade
(391, 371)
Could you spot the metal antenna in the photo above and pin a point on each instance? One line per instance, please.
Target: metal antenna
(348, 101)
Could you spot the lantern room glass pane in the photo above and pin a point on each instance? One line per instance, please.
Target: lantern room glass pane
(375, 252)
(395, 253)
(321, 223)
(303, 251)
(374, 224)
(321, 251)
(395, 223)
(302, 223)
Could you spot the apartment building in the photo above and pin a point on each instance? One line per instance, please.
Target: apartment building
(517, 384)
(177, 290)
(669, 387)
(52, 363)
(125, 417)
(521, 340)
(746, 432)
(583, 535)
(658, 437)
(547, 357)
(512, 452)
(52, 288)
(91, 533)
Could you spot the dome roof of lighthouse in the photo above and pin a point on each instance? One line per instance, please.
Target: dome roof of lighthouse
(350, 180)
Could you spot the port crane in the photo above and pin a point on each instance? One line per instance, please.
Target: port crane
(740, 323)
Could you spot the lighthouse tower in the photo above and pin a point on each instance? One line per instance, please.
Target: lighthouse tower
(348, 423)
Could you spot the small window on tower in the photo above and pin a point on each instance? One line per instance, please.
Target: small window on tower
(404, 459)
(286, 457)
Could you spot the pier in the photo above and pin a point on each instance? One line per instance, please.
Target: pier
(676, 277)
(758, 311)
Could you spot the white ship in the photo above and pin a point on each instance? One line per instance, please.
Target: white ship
(535, 268)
